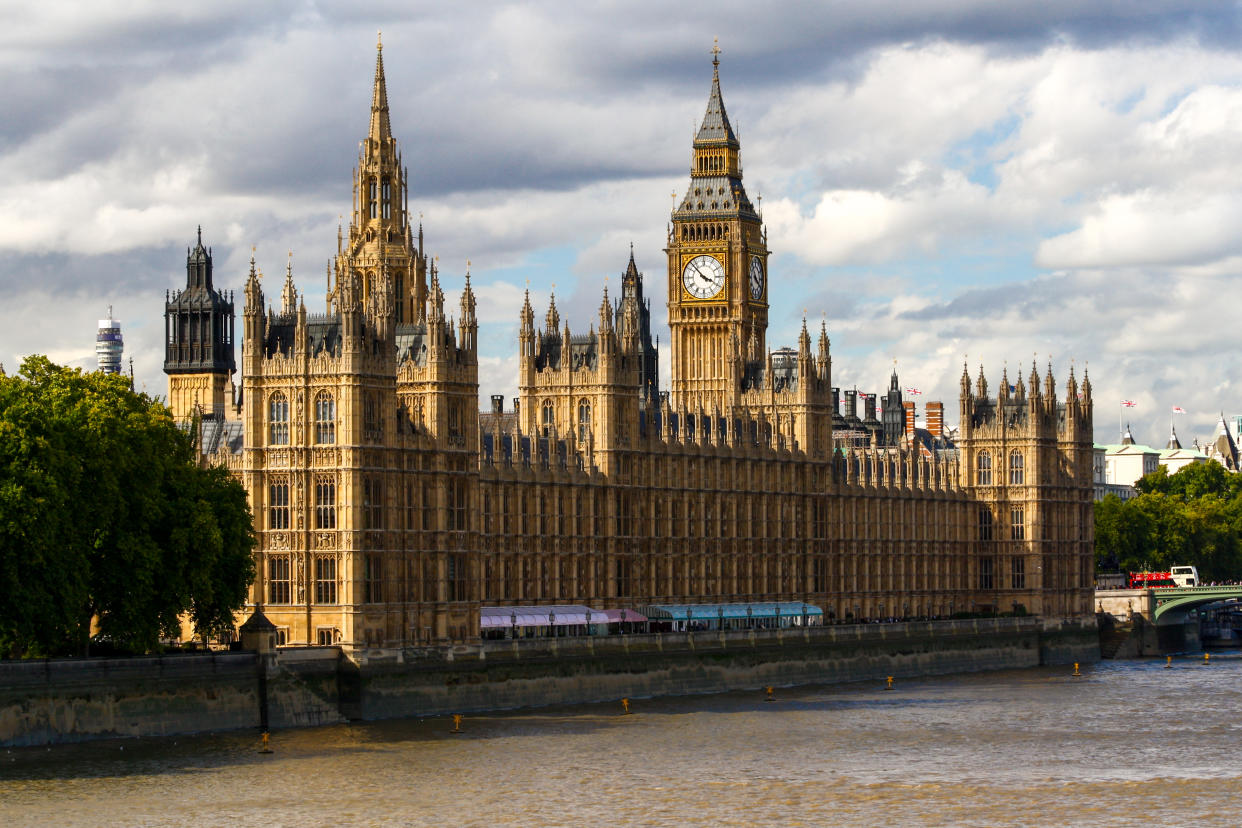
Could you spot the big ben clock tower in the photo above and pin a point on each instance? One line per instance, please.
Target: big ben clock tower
(717, 269)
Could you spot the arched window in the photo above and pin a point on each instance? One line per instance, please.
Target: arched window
(325, 418)
(549, 418)
(1016, 475)
(374, 202)
(983, 469)
(584, 421)
(278, 420)
(387, 199)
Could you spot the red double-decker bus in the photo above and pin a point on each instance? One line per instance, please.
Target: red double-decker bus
(1150, 580)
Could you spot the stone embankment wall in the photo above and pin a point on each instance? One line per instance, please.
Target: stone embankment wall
(43, 702)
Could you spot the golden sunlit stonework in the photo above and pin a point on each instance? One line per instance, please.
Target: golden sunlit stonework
(389, 510)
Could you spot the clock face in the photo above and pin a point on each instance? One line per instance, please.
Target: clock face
(756, 277)
(703, 277)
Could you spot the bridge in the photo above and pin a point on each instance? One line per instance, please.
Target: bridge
(1171, 604)
(1162, 606)
(1156, 618)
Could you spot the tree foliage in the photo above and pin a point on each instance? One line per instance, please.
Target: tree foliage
(1191, 517)
(106, 518)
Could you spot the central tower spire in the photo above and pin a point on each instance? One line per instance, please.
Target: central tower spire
(380, 236)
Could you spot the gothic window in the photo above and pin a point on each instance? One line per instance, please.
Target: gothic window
(584, 421)
(278, 505)
(459, 504)
(985, 573)
(373, 578)
(373, 201)
(985, 523)
(983, 469)
(325, 580)
(1017, 523)
(372, 428)
(549, 418)
(278, 419)
(325, 503)
(1016, 475)
(1017, 573)
(372, 503)
(457, 577)
(325, 419)
(279, 582)
(387, 199)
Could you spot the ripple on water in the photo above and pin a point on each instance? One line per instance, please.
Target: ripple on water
(1014, 747)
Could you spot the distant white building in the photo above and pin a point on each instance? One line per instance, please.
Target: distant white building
(1174, 457)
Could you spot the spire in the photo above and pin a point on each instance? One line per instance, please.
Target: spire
(804, 341)
(528, 315)
(289, 295)
(553, 320)
(965, 382)
(381, 128)
(629, 279)
(716, 127)
(1173, 441)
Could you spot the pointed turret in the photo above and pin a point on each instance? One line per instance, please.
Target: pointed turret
(981, 385)
(552, 321)
(289, 294)
(1173, 441)
(965, 381)
(1003, 392)
(469, 324)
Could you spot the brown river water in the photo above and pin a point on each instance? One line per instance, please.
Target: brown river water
(1127, 743)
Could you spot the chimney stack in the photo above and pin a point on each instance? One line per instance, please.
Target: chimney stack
(935, 419)
(908, 405)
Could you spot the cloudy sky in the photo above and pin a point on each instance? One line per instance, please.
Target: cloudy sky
(941, 179)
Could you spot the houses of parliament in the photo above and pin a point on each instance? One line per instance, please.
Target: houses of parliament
(390, 510)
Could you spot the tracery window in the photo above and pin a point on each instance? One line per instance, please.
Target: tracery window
(584, 421)
(325, 419)
(373, 201)
(278, 505)
(983, 469)
(1016, 471)
(1017, 523)
(279, 582)
(387, 199)
(278, 420)
(325, 503)
(325, 580)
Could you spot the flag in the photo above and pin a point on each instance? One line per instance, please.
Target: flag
(1013, 389)
(1128, 403)
(1177, 409)
(863, 396)
(913, 391)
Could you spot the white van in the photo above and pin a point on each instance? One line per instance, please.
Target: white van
(1185, 576)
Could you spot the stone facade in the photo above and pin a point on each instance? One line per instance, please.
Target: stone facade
(389, 510)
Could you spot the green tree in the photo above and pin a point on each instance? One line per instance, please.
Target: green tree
(1191, 517)
(106, 518)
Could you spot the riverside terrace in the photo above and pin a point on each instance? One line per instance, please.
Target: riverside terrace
(571, 620)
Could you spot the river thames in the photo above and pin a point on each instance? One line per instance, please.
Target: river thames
(1127, 742)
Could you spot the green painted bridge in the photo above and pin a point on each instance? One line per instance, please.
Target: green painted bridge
(1171, 604)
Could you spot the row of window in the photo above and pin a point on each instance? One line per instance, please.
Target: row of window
(988, 579)
(983, 468)
(1017, 524)
(280, 579)
(548, 419)
(325, 419)
(376, 205)
(325, 504)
